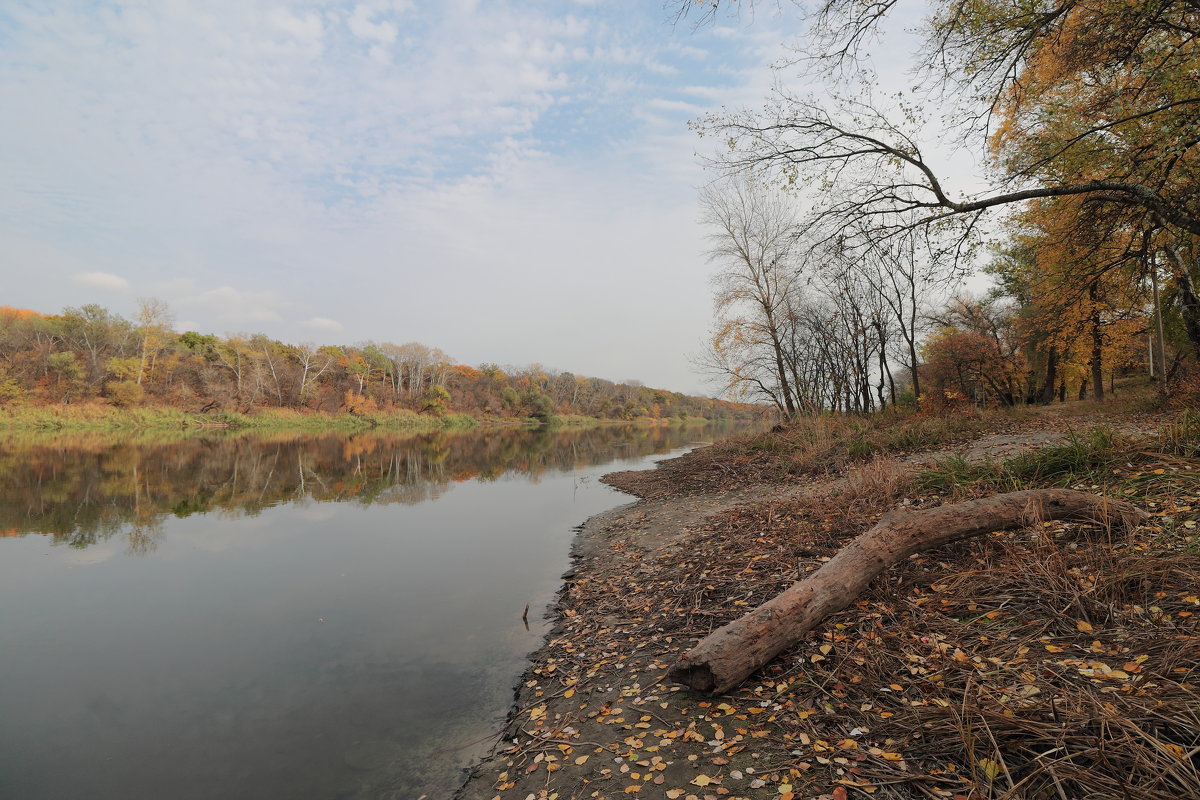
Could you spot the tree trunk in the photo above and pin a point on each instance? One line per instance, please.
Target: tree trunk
(1189, 303)
(1097, 350)
(728, 655)
(1051, 376)
(781, 373)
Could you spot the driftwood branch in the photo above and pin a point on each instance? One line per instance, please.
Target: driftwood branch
(728, 655)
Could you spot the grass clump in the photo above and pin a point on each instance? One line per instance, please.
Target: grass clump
(1082, 455)
(954, 472)
(1182, 437)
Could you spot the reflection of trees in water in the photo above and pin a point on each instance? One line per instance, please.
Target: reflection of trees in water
(86, 489)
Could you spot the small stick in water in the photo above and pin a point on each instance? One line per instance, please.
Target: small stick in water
(525, 616)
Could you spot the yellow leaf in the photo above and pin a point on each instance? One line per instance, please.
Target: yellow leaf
(569, 693)
(702, 780)
(1053, 648)
(674, 793)
(537, 713)
(785, 788)
(990, 768)
(1084, 627)
(581, 760)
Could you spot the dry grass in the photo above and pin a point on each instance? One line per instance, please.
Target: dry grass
(1059, 661)
(1056, 661)
(814, 446)
(880, 483)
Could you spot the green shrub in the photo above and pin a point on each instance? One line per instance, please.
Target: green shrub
(125, 394)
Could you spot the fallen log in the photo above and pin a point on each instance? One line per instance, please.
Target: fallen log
(728, 655)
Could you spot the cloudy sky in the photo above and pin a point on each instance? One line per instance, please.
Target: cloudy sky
(512, 182)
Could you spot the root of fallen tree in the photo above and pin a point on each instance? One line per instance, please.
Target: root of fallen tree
(730, 654)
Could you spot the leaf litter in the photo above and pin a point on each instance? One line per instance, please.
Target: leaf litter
(1059, 661)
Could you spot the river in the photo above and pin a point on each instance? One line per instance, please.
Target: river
(284, 616)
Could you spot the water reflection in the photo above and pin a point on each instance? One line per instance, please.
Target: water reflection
(311, 617)
(87, 488)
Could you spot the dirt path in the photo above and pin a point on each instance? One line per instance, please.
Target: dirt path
(1047, 426)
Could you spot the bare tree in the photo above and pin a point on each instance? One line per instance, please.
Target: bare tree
(314, 362)
(752, 240)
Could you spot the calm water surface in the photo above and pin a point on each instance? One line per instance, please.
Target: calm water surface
(282, 617)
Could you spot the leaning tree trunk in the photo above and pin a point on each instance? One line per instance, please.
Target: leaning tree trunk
(728, 655)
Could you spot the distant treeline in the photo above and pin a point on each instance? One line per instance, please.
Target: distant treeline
(89, 353)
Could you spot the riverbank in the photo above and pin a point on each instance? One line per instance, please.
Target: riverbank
(1054, 659)
(101, 417)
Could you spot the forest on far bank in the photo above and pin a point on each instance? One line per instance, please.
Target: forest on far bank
(92, 354)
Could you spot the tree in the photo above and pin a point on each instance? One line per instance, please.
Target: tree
(976, 352)
(1079, 291)
(901, 272)
(97, 335)
(154, 329)
(68, 375)
(437, 399)
(753, 235)
(313, 362)
(1088, 99)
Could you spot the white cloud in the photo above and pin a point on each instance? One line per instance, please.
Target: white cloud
(375, 163)
(102, 280)
(238, 307)
(306, 28)
(324, 324)
(363, 25)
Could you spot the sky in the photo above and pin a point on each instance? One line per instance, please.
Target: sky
(512, 182)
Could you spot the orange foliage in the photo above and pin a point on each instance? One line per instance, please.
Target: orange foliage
(467, 373)
(19, 313)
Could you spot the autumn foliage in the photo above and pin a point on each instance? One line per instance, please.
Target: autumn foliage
(90, 354)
